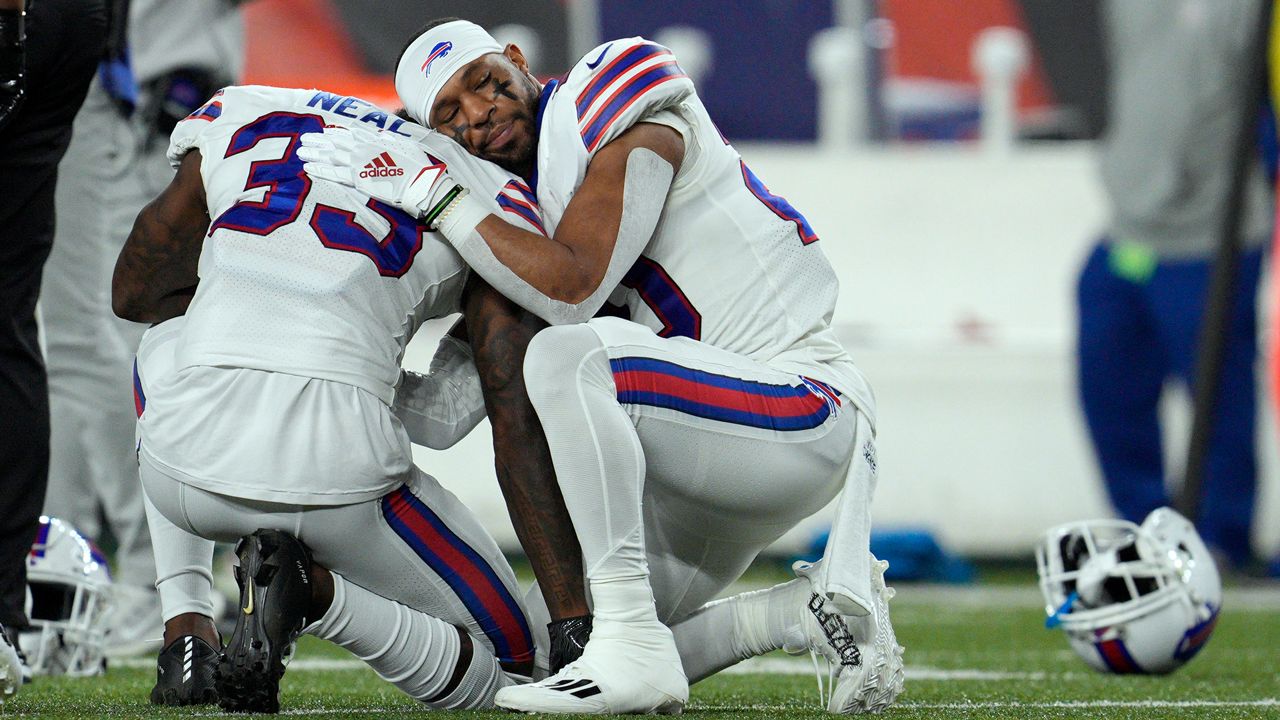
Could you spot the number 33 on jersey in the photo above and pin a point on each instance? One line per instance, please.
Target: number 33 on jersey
(303, 275)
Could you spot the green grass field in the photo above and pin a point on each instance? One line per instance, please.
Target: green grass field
(977, 652)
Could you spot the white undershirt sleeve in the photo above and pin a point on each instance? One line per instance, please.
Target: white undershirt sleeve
(439, 408)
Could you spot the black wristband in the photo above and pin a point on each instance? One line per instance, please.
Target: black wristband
(12, 28)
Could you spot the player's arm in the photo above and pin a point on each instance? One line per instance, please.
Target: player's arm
(441, 407)
(564, 278)
(156, 274)
(499, 334)
(605, 226)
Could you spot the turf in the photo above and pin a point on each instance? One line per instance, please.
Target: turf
(980, 653)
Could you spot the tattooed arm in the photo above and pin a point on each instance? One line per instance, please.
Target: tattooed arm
(500, 332)
(155, 274)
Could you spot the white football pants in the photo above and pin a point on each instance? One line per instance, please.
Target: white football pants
(418, 545)
(680, 462)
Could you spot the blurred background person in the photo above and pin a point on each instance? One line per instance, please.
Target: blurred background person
(45, 70)
(1178, 92)
(180, 53)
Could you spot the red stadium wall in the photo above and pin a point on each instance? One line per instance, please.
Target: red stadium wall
(934, 39)
(302, 43)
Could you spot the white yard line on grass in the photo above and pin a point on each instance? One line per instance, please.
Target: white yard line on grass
(754, 666)
(757, 666)
(304, 664)
(698, 707)
(783, 666)
(987, 597)
(1082, 704)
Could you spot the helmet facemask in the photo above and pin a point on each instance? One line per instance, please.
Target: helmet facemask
(1130, 598)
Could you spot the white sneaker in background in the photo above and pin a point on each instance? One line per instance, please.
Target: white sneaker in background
(133, 625)
(864, 658)
(626, 668)
(11, 667)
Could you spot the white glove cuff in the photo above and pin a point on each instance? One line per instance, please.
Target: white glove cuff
(461, 217)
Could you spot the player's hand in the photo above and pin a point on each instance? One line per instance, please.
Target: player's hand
(13, 65)
(384, 166)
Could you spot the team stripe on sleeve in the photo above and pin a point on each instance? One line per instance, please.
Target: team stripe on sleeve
(466, 573)
(658, 383)
(517, 199)
(208, 113)
(139, 397)
(619, 85)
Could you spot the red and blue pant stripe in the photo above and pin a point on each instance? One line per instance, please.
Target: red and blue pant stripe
(804, 405)
(465, 571)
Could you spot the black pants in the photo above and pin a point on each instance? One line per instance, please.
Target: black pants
(64, 43)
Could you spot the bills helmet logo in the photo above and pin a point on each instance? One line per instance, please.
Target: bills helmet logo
(440, 50)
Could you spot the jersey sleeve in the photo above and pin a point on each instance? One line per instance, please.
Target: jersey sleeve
(619, 83)
(194, 127)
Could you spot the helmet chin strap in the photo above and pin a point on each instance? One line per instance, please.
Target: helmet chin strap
(1055, 619)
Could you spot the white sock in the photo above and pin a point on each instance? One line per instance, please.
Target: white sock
(725, 632)
(184, 575)
(414, 651)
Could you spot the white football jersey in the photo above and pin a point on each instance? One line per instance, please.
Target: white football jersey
(310, 277)
(277, 383)
(730, 263)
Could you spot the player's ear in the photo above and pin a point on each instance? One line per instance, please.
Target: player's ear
(516, 56)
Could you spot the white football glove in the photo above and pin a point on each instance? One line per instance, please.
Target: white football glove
(384, 166)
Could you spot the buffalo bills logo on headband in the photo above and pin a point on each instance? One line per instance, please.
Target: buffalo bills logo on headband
(439, 51)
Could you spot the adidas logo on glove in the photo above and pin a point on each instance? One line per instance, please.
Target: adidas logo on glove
(381, 166)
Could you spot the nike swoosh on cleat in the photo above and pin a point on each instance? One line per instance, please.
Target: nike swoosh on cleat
(248, 609)
(592, 65)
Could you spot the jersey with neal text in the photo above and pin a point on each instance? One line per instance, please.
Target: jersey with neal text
(309, 277)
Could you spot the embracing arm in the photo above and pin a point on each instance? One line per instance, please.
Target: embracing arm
(567, 277)
(570, 266)
(562, 279)
(156, 272)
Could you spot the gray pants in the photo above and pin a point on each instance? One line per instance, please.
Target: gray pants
(107, 176)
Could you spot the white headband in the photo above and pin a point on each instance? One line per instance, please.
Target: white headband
(433, 58)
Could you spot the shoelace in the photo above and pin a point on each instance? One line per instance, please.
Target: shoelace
(837, 634)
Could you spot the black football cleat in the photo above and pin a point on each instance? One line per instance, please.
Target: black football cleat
(275, 591)
(184, 673)
(568, 639)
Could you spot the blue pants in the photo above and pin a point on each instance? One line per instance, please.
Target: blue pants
(1133, 336)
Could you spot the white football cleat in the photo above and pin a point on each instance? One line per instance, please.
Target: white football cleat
(11, 667)
(863, 655)
(626, 668)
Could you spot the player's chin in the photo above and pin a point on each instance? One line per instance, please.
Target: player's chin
(514, 156)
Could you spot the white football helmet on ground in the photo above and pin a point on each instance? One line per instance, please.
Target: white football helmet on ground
(1132, 599)
(70, 588)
